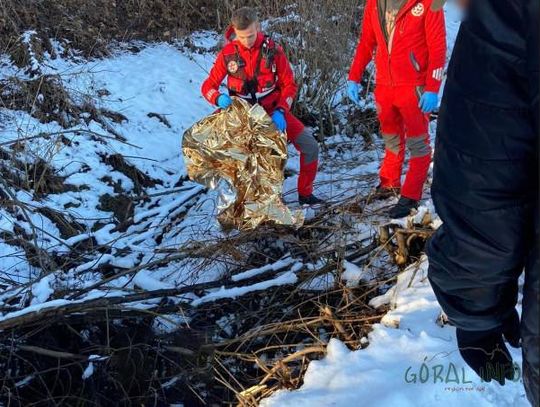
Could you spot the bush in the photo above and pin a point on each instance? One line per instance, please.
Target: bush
(90, 25)
(321, 38)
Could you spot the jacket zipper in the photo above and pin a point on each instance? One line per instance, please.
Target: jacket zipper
(390, 68)
(389, 47)
(251, 61)
(399, 15)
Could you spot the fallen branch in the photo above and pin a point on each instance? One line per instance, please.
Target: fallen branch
(52, 353)
(35, 317)
(290, 358)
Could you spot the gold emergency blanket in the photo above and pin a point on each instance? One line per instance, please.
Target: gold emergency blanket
(241, 146)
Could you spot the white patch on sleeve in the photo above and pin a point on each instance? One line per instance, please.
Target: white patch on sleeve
(289, 101)
(438, 74)
(211, 94)
(418, 10)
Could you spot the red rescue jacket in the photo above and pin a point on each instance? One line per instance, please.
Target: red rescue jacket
(417, 50)
(275, 86)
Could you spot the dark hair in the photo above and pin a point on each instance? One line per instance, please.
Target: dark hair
(244, 17)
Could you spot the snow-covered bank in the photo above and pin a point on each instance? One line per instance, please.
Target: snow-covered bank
(411, 360)
(157, 92)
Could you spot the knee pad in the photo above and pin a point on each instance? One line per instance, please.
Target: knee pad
(392, 142)
(308, 146)
(418, 146)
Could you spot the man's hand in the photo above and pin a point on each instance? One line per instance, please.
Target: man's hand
(224, 101)
(428, 102)
(353, 91)
(278, 117)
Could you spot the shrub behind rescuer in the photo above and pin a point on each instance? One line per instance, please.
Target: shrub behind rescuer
(258, 71)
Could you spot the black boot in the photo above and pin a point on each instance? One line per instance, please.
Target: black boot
(385, 192)
(486, 353)
(310, 200)
(402, 208)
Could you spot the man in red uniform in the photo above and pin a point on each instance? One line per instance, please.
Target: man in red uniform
(410, 39)
(258, 70)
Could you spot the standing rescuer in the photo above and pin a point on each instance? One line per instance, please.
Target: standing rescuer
(258, 71)
(410, 42)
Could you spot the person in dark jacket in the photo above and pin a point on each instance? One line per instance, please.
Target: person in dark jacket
(485, 189)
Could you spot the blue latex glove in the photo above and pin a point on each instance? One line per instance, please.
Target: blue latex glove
(353, 91)
(278, 117)
(224, 101)
(428, 102)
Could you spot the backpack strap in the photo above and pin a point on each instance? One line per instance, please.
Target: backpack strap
(268, 52)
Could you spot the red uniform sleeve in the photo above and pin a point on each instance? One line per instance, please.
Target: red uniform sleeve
(436, 43)
(210, 87)
(285, 80)
(366, 45)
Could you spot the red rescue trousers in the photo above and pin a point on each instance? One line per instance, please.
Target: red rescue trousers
(403, 124)
(305, 143)
(303, 140)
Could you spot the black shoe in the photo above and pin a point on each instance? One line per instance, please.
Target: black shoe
(486, 353)
(385, 192)
(402, 208)
(310, 200)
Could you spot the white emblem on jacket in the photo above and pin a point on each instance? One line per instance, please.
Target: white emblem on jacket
(232, 67)
(418, 10)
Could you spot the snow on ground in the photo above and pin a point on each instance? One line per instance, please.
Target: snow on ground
(159, 79)
(410, 361)
(163, 79)
(138, 81)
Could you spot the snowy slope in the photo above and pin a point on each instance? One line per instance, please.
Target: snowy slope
(162, 81)
(136, 85)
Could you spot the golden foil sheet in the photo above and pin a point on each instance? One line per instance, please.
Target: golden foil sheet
(241, 148)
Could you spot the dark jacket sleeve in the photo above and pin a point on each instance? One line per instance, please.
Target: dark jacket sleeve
(530, 329)
(485, 182)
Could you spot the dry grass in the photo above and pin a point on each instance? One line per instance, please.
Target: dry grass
(320, 44)
(232, 352)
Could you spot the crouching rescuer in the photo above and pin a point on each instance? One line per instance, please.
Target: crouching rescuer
(410, 41)
(258, 71)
